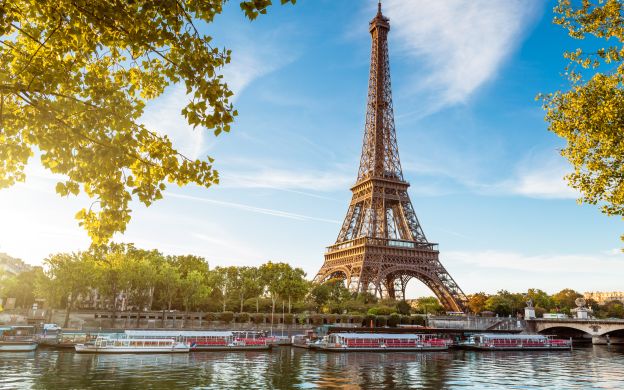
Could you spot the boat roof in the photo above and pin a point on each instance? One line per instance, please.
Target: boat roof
(511, 336)
(378, 335)
(178, 333)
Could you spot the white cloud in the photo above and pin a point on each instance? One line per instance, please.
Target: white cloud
(288, 180)
(462, 43)
(492, 270)
(602, 263)
(538, 176)
(254, 209)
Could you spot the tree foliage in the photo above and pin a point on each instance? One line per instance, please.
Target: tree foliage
(476, 302)
(70, 275)
(590, 116)
(505, 303)
(75, 77)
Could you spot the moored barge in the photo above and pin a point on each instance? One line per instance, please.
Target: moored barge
(209, 340)
(382, 342)
(515, 342)
(132, 345)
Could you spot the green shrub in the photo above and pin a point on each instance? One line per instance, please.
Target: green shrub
(331, 318)
(406, 320)
(381, 310)
(288, 318)
(226, 316)
(394, 320)
(242, 318)
(381, 321)
(210, 317)
(367, 320)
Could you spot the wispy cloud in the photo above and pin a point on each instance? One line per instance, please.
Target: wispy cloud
(461, 43)
(607, 262)
(254, 209)
(516, 271)
(537, 176)
(287, 180)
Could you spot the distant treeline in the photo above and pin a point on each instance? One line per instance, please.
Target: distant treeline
(505, 303)
(123, 277)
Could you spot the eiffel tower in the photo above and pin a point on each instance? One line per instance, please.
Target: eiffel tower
(381, 245)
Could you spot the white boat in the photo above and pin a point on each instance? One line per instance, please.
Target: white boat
(515, 342)
(382, 342)
(16, 345)
(200, 340)
(17, 339)
(132, 345)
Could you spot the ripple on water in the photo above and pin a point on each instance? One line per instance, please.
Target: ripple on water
(592, 367)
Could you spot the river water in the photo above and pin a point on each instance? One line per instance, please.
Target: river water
(592, 367)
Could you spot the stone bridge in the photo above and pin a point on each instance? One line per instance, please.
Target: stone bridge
(600, 331)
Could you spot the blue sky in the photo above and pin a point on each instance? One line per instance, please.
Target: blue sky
(485, 174)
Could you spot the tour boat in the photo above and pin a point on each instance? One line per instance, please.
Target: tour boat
(382, 342)
(132, 345)
(209, 340)
(515, 342)
(17, 339)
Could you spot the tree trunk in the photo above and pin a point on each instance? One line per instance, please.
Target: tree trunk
(272, 313)
(257, 304)
(114, 311)
(242, 303)
(138, 317)
(151, 299)
(67, 310)
(289, 304)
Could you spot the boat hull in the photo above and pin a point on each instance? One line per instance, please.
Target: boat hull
(512, 348)
(231, 348)
(17, 347)
(372, 349)
(90, 349)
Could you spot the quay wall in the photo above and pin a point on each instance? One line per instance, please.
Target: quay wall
(89, 320)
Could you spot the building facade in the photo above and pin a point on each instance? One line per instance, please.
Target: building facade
(604, 297)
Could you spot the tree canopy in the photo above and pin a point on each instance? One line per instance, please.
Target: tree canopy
(75, 77)
(590, 115)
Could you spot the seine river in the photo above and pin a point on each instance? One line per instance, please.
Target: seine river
(589, 367)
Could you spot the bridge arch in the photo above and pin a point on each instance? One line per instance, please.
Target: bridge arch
(590, 328)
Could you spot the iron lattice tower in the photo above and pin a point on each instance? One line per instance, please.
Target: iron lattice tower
(381, 245)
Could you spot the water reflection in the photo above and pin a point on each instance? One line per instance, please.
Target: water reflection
(283, 368)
